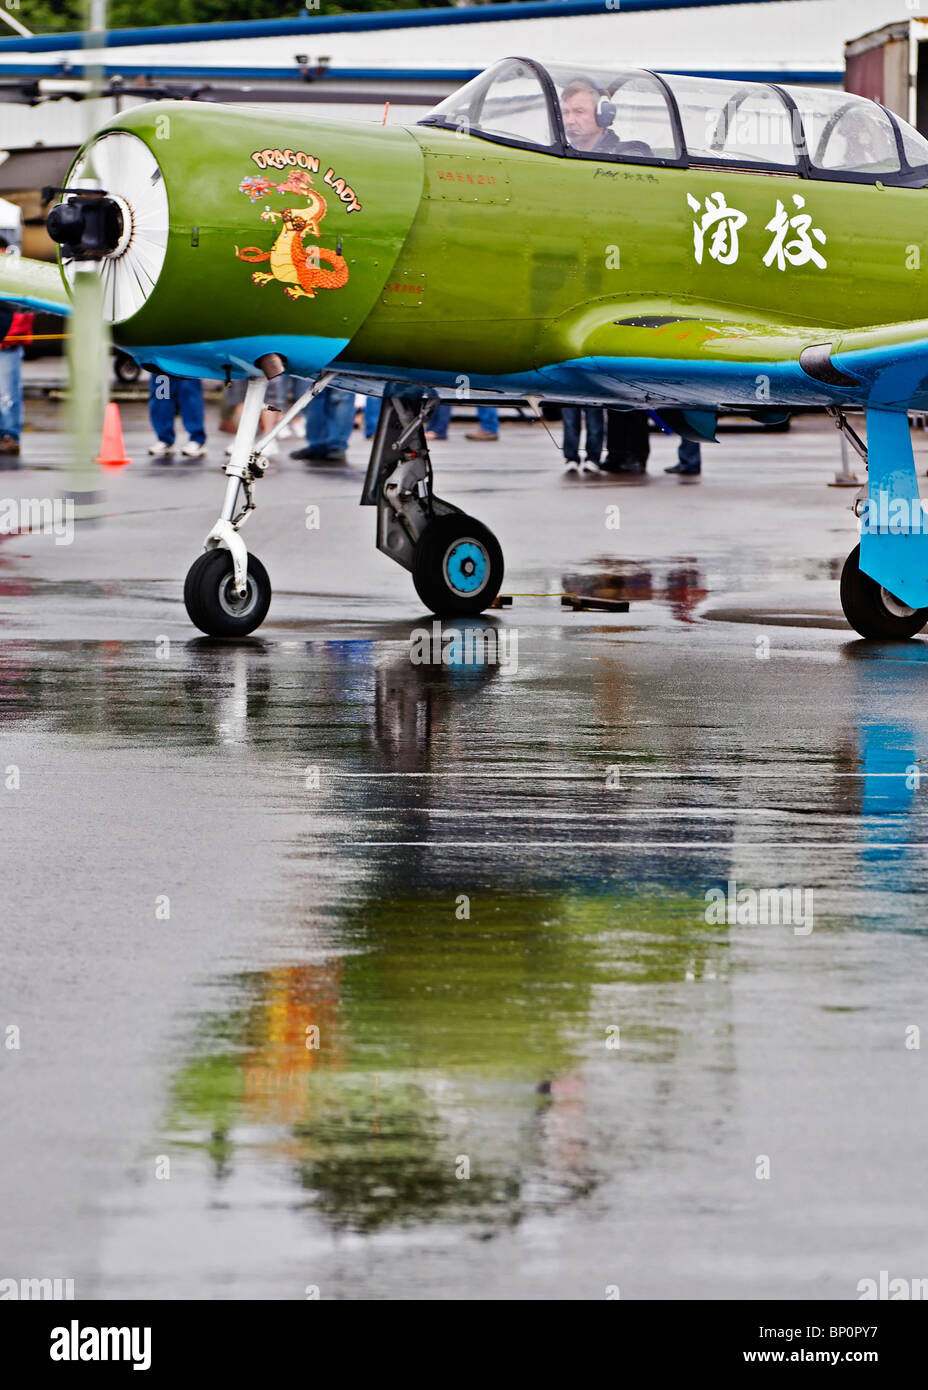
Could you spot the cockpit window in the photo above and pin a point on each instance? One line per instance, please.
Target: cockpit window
(508, 102)
(632, 115)
(914, 145)
(614, 115)
(846, 133)
(731, 122)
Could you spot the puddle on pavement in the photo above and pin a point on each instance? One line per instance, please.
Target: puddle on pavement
(483, 992)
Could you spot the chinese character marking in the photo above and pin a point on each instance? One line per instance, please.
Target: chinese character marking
(800, 249)
(725, 222)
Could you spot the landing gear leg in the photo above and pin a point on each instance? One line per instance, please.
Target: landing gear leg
(884, 583)
(456, 562)
(227, 592)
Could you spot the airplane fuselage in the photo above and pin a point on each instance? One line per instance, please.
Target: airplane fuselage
(522, 271)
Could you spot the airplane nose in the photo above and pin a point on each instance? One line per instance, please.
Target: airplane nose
(113, 220)
(89, 224)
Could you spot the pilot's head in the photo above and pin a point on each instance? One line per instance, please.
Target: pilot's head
(858, 132)
(579, 101)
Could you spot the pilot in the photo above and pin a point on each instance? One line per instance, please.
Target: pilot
(859, 143)
(588, 117)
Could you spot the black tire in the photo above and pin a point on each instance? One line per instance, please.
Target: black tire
(211, 602)
(126, 368)
(457, 566)
(874, 612)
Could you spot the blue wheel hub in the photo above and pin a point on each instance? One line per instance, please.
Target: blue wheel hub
(466, 566)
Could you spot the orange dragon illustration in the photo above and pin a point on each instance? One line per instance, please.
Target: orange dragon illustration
(290, 260)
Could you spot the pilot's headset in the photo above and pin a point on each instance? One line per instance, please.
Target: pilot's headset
(605, 110)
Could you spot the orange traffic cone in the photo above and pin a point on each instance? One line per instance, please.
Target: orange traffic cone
(112, 450)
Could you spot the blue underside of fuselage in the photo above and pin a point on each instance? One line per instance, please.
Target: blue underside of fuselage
(894, 378)
(306, 356)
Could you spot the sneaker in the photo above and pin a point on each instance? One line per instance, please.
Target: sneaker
(272, 450)
(571, 467)
(429, 434)
(193, 450)
(591, 468)
(9, 445)
(482, 435)
(336, 456)
(161, 450)
(683, 470)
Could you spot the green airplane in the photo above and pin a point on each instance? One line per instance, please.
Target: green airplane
(548, 233)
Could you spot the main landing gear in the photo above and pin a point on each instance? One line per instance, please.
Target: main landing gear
(872, 610)
(884, 582)
(456, 563)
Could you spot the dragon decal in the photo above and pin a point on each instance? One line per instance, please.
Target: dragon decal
(295, 264)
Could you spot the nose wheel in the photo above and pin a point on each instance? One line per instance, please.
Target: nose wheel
(872, 610)
(213, 602)
(457, 566)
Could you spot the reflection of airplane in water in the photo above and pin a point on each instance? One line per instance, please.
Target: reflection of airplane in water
(443, 1034)
(440, 1035)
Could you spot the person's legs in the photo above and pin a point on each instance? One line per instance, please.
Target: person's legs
(640, 437)
(441, 419)
(628, 444)
(276, 401)
(570, 419)
(233, 397)
(7, 414)
(371, 416)
(317, 422)
(595, 428)
(161, 407)
(11, 393)
(341, 419)
(189, 393)
(277, 395)
(689, 459)
(487, 424)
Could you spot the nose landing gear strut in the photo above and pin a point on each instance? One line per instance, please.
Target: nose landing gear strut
(227, 591)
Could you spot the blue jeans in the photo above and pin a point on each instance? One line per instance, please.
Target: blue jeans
(169, 394)
(371, 415)
(329, 419)
(689, 456)
(441, 419)
(595, 426)
(488, 418)
(11, 392)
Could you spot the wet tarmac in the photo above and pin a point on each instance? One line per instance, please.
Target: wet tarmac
(333, 971)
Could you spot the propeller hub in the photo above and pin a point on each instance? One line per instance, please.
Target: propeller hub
(89, 225)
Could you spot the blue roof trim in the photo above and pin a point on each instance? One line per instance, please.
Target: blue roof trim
(307, 25)
(291, 74)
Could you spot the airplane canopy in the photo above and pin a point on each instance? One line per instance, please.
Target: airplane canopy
(634, 115)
